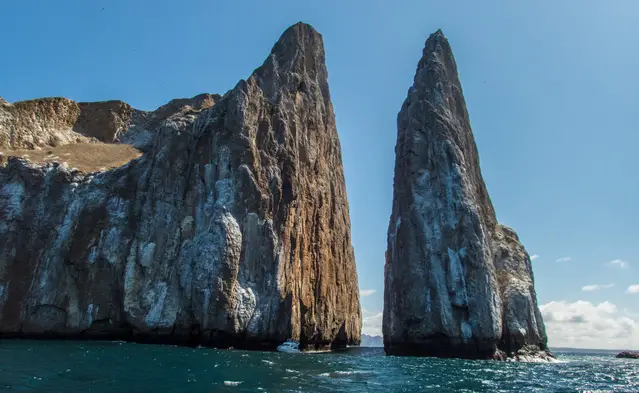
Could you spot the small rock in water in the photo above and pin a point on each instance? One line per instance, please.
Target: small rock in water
(628, 355)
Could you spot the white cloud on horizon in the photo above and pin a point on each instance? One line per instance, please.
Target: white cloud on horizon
(580, 324)
(633, 289)
(596, 287)
(618, 263)
(564, 259)
(372, 322)
(587, 325)
(533, 257)
(366, 292)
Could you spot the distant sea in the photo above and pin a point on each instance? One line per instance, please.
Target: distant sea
(67, 366)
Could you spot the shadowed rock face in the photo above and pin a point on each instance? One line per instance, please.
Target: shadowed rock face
(457, 284)
(232, 229)
(628, 355)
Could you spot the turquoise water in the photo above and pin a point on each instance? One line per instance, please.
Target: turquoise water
(56, 366)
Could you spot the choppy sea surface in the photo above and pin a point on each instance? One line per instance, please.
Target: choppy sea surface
(59, 366)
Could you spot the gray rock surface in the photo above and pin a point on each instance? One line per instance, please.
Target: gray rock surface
(457, 284)
(232, 228)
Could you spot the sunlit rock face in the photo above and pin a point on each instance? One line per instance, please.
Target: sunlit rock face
(457, 284)
(56, 121)
(232, 228)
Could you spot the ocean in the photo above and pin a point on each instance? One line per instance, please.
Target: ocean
(73, 367)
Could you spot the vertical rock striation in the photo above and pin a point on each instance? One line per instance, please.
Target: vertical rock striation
(232, 228)
(457, 283)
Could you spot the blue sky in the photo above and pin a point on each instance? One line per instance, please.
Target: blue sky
(551, 88)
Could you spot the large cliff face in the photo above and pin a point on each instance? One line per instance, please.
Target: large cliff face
(457, 284)
(231, 229)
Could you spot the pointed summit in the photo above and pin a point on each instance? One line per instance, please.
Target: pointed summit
(300, 34)
(437, 37)
(300, 49)
(437, 49)
(436, 76)
(296, 60)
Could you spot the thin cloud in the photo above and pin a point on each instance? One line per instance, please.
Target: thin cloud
(633, 289)
(596, 287)
(533, 257)
(564, 259)
(372, 323)
(366, 292)
(618, 263)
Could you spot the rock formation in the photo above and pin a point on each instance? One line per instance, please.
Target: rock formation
(231, 229)
(48, 122)
(627, 355)
(457, 283)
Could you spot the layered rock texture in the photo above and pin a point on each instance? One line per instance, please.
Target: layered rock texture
(457, 283)
(232, 228)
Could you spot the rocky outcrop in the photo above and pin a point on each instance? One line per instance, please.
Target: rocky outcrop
(37, 123)
(49, 122)
(627, 355)
(231, 229)
(457, 284)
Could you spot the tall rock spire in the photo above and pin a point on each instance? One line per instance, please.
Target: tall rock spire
(450, 285)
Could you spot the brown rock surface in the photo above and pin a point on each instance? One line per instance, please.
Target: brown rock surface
(38, 123)
(50, 122)
(457, 284)
(231, 229)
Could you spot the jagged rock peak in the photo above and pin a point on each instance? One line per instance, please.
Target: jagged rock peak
(199, 102)
(437, 45)
(457, 284)
(297, 58)
(300, 49)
